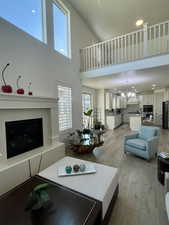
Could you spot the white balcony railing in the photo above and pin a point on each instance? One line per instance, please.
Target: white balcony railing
(149, 41)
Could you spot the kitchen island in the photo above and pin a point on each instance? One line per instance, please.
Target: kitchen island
(135, 122)
(113, 121)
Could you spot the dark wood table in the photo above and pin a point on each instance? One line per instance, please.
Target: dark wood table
(68, 207)
(163, 166)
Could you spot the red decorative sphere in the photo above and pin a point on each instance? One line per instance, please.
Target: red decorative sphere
(6, 89)
(20, 91)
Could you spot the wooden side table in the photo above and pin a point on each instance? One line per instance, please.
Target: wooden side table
(163, 166)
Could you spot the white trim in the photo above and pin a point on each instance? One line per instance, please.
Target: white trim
(44, 21)
(66, 11)
(14, 101)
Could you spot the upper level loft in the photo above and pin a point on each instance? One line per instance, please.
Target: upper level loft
(145, 48)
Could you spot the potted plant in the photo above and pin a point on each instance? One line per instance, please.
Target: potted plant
(88, 114)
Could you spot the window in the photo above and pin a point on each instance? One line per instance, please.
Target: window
(65, 108)
(86, 105)
(25, 14)
(61, 28)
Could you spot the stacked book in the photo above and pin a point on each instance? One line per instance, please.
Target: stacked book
(164, 155)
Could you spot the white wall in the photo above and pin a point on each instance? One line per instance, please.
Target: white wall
(39, 63)
(101, 106)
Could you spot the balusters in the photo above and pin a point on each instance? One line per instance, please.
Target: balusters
(154, 40)
(127, 47)
(109, 53)
(115, 51)
(124, 50)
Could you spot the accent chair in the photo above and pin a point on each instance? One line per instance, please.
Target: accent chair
(144, 143)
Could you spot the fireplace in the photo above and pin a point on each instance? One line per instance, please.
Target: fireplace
(23, 136)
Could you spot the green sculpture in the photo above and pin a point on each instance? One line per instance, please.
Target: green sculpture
(38, 198)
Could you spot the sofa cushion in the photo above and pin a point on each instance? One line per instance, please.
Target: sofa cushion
(146, 132)
(137, 143)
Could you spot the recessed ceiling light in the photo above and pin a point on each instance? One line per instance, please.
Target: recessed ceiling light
(139, 22)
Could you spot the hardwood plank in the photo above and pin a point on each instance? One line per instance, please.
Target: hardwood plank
(141, 196)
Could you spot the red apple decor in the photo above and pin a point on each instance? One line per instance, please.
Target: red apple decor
(29, 89)
(20, 91)
(5, 88)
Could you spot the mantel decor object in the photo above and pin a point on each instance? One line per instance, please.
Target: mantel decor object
(75, 170)
(29, 89)
(38, 198)
(5, 88)
(20, 91)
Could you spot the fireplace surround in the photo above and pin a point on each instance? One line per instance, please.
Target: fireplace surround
(15, 108)
(16, 170)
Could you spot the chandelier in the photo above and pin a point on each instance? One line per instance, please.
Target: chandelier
(128, 94)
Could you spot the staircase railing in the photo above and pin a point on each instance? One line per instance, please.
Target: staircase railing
(146, 42)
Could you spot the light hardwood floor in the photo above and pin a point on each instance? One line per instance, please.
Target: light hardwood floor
(141, 196)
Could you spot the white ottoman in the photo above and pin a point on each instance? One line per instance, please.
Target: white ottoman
(100, 186)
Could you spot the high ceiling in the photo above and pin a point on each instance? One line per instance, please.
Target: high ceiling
(142, 80)
(109, 18)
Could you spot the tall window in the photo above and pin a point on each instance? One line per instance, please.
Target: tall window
(25, 14)
(86, 105)
(61, 28)
(65, 107)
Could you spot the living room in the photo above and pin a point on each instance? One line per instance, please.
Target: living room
(77, 97)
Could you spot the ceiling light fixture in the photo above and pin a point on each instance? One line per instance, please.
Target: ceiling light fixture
(128, 94)
(139, 22)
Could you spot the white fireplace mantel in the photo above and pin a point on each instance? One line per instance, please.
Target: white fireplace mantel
(25, 102)
(14, 101)
(18, 169)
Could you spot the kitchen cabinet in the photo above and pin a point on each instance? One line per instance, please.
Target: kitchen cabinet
(158, 100)
(147, 100)
(114, 121)
(166, 94)
(109, 101)
(135, 122)
(118, 102)
(115, 101)
(123, 102)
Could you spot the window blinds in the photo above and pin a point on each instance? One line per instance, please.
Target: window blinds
(65, 107)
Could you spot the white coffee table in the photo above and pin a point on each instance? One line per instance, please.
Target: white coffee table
(101, 185)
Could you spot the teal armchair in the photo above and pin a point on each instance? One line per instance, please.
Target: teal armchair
(144, 143)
